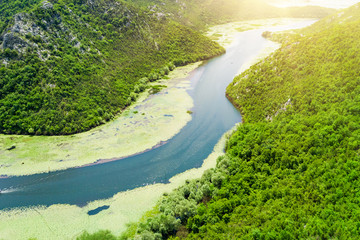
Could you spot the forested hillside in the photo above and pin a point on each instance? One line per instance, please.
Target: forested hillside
(292, 166)
(69, 65)
(200, 13)
(344, 16)
(291, 169)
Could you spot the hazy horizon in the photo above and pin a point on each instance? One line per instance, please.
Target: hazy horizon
(323, 3)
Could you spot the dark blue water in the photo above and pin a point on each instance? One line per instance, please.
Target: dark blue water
(97, 210)
(213, 115)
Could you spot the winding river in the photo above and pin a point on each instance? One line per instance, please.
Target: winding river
(213, 115)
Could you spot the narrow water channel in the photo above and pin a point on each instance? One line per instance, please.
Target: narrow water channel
(213, 115)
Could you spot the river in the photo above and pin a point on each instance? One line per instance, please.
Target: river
(212, 116)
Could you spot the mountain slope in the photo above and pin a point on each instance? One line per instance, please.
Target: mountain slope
(199, 13)
(67, 66)
(291, 168)
(348, 15)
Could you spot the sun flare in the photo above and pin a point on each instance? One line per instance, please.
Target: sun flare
(322, 3)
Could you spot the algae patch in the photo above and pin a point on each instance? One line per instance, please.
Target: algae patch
(225, 34)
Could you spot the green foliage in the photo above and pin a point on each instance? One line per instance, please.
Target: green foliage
(175, 209)
(77, 67)
(8, 8)
(156, 88)
(308, 75)
(348, 15)
(101, 235)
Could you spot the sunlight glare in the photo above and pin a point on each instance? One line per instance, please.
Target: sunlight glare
(323, 3)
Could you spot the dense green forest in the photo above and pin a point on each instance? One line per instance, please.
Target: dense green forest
(200, 13)
(67, 66)
(291, 169)
(293, 164)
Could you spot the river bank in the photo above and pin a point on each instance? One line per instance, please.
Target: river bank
(151, 121)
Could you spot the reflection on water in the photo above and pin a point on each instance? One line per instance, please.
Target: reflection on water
(9, 190)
